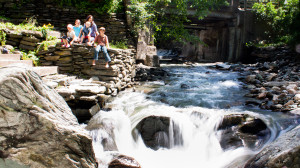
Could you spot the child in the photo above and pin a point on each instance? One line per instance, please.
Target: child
(86, 34)
(69, 39)
(77, 29)
(101, 43)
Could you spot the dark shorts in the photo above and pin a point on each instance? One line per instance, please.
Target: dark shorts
(69, 39)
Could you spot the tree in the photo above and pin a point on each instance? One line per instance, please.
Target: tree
(168, 16)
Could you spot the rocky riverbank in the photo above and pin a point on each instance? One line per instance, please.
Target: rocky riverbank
(274, 81)
(37, 126)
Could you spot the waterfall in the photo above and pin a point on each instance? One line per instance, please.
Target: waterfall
(192, 138)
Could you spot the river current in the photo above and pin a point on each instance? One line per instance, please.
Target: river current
(196, 99)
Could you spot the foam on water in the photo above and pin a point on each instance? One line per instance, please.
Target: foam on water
(195, 114)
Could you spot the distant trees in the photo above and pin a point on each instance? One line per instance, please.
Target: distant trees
(167, 17)
(283, 20)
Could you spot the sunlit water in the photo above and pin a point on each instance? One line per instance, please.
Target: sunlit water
(196, 99)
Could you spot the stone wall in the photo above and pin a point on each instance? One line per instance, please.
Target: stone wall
(96, 84)
(49, 11)
(26, 39)
(77, 60)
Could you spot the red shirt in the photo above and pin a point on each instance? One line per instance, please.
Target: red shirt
(101, 40)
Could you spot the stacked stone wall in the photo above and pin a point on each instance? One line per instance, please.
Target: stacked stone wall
(26, 39)
(49, 11)
(77, 60)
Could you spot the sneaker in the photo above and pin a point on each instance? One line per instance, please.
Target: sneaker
(68, 46)
(107, 66)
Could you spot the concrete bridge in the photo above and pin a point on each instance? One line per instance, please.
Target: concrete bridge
(225, 32)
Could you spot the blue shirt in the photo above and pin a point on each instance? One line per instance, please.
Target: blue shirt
(77, 30)
(86, 31)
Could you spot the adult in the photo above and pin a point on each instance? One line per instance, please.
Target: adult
(94, 31)
(101, 44)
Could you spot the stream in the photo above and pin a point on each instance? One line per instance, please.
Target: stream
(196, 99)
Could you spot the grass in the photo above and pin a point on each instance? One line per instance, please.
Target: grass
(119, 45)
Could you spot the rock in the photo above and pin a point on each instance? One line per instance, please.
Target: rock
(271, 76)
(154, 131)
(291, 102)
(38, 128)
(107, 125)
(243, 130)
(32, 39)
(297, 97)
(253, 127)
(26, 47)
(184, 86)
(96, 89)
(63, 53)
(52, 58)
(123, 161)
(262, 95)
(250, 78)
(276, 107)
(95, 109)
(283, 152)
(252, 102)
(292, 86)
(223, 66)
(272, 84)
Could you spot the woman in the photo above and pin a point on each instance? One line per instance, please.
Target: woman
(94, 32)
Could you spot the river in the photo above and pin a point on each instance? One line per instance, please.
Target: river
(196, 99)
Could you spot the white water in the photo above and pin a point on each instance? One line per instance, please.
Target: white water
(197, 125)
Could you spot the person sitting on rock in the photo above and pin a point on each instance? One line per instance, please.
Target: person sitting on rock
(77, 29)
(70, 37)
(101, 43)
(86, 34)
(94, 31)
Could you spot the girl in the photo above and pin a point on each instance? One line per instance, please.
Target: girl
(70, 37)
(77, 29)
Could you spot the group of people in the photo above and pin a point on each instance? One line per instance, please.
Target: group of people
(89, 34)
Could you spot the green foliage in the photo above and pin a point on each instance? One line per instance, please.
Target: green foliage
(119, 45)
(168, 17)
(52, 41)
(280, 19)
(100, 6)
(30, 55)
(28, 24)
(2, 37)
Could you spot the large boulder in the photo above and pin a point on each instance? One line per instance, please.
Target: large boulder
(283, 152)
(38, 128)
(243, 130)
(155, 132)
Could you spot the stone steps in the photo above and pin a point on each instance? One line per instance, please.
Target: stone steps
(46, 70)
(10, 56)
(10, 62)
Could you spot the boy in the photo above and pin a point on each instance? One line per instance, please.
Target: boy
(101, 43)
(86, 34)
